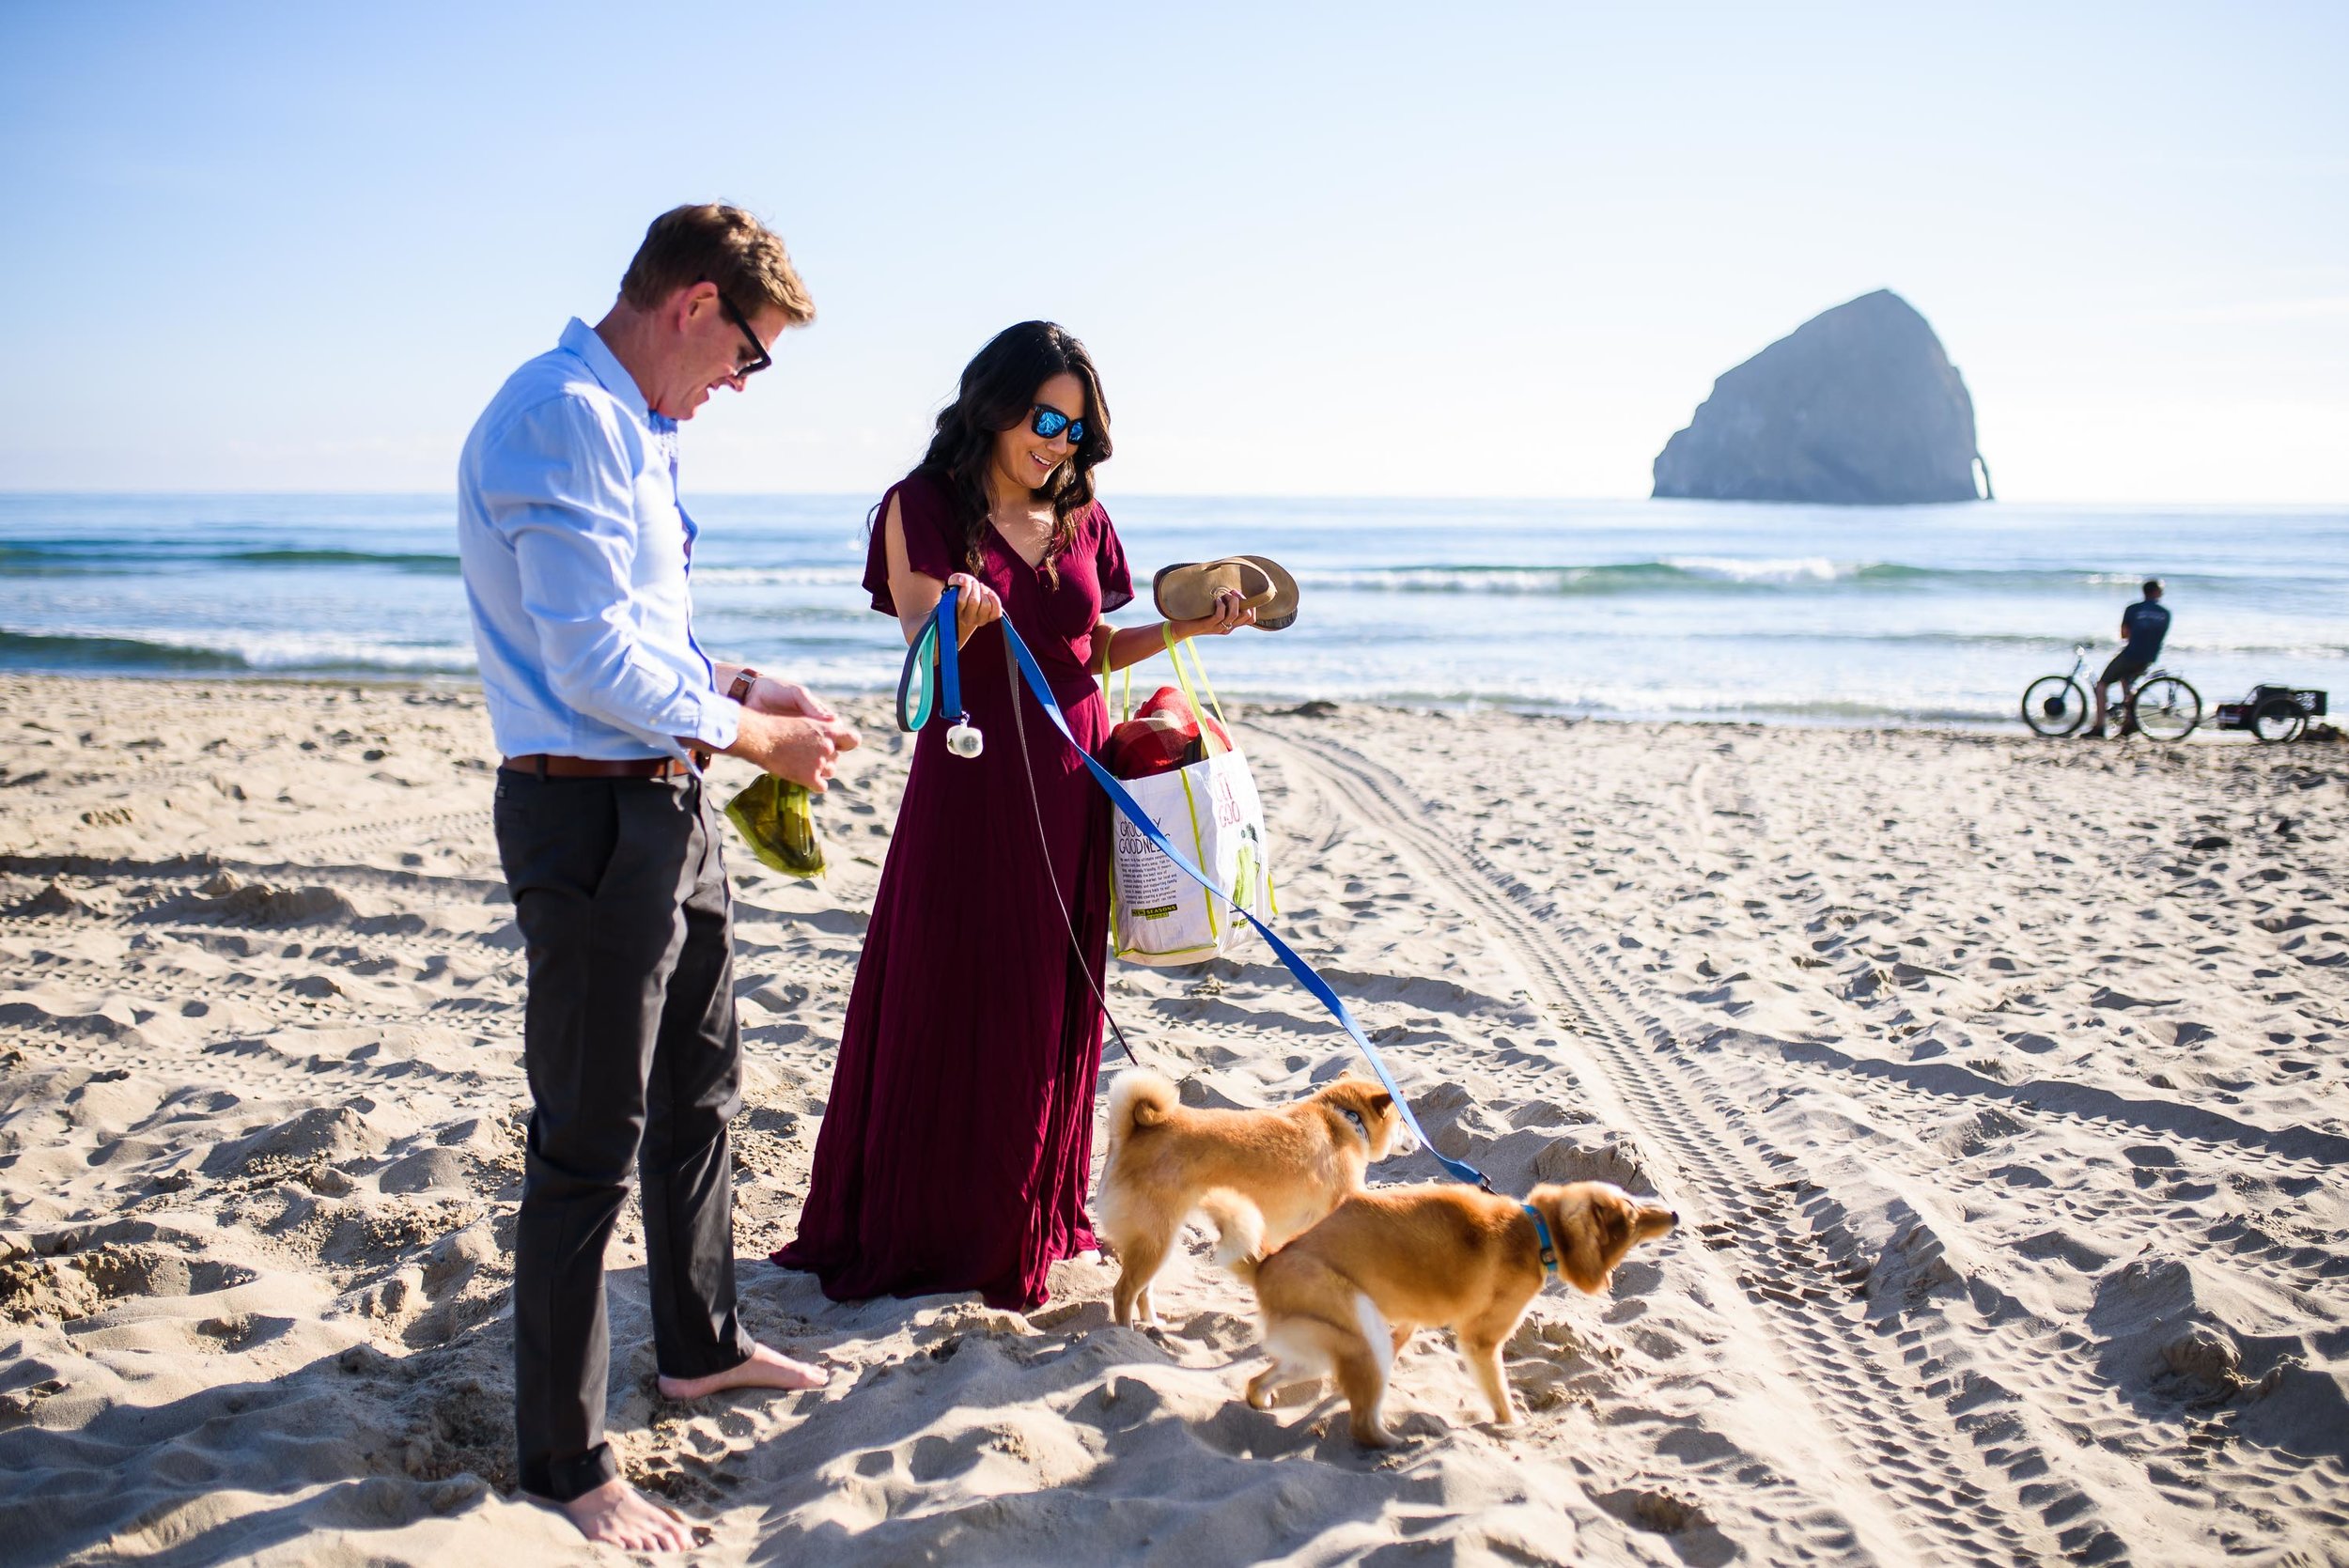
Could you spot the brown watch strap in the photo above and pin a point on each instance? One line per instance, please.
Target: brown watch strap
(744, 681)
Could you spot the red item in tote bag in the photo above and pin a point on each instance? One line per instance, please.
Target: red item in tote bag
(1162, 735)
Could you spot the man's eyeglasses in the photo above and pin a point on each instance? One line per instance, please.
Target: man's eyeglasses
(1048, 422)
(760, 359)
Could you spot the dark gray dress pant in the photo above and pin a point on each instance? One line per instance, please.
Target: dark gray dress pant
(634, 1059)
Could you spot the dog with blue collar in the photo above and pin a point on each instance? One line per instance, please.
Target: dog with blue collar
(1292, 1164)
(1345, 1296)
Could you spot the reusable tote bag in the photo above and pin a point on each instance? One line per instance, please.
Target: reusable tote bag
(1209, 809)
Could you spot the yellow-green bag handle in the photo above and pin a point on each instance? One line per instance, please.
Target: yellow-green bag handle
(1175, 652)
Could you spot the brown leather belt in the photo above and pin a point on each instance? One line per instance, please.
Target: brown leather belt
(547, 766)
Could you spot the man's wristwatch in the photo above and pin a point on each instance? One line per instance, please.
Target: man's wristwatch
(740, 692)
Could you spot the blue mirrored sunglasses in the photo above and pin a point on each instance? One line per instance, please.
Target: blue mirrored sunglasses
(1048, 422)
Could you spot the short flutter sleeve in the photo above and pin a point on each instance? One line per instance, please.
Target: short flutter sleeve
(926, 511)
(1109, 563)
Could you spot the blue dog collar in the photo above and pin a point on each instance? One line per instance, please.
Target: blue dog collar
(1541, 1229)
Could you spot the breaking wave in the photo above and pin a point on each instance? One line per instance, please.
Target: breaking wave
(1692, 573)
(108, 653)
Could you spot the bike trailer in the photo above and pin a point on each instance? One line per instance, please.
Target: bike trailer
(2273, 712)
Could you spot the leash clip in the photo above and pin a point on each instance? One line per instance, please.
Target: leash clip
(963, 737)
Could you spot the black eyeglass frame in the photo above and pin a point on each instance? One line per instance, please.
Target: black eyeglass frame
(761, 358)
(1040, 414)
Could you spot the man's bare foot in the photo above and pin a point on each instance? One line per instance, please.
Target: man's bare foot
(619, 1515)
(766, 1369)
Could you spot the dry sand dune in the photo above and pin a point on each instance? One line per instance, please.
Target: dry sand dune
(2000, 1085)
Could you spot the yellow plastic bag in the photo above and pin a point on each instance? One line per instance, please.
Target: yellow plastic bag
(777, 819)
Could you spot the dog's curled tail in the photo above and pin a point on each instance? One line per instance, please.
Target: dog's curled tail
(1139, 1099)
(1238, 1230)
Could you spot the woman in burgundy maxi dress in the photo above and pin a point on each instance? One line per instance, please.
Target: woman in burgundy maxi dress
(959, 1136)
(957, 1140)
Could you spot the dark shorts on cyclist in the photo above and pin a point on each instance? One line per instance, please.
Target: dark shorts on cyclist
(2123, 668)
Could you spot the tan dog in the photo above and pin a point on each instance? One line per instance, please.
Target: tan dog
(1294, 1164)
(1347, 1293)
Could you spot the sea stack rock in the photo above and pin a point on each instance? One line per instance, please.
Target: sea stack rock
(1857, 407)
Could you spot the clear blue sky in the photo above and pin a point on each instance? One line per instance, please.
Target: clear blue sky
(1345, 249)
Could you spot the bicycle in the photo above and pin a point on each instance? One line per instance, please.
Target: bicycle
(2162, 707)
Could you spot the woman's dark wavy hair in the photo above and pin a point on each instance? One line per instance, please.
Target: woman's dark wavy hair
(999, 388)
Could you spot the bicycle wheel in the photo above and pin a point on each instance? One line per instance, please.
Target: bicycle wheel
(2054, 705)
(2166, 709)
(2278, 719)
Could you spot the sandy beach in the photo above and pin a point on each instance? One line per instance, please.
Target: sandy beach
(2000, 1085)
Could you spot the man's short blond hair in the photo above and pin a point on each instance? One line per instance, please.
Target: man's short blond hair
(715, 243)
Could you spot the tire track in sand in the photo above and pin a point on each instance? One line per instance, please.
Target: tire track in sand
(1955, 1495)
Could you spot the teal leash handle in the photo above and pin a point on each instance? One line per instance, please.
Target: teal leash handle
(917, 695)
(917, 691)
(1459, 1170)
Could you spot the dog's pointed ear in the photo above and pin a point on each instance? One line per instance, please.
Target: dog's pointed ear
(1581, 1238)
(1380, 1101)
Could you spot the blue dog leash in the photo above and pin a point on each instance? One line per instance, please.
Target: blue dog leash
(950, 679)
(916, 701)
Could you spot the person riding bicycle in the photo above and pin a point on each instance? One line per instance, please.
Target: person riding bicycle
(2143, 624)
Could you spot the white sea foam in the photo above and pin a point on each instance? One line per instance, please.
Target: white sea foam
(1808, 568)
(1449, 579)
(1624, 576)
(781, 577)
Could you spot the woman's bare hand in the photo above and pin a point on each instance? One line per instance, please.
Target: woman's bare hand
(976, 606)
(1229, 616)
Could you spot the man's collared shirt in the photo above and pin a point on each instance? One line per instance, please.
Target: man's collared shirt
(576, 554)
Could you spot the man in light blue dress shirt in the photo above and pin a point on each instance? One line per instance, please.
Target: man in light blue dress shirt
(577, 556)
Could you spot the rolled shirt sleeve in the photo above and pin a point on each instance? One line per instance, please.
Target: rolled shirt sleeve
(562, 496)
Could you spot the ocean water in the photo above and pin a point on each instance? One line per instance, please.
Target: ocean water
(1648, 608)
